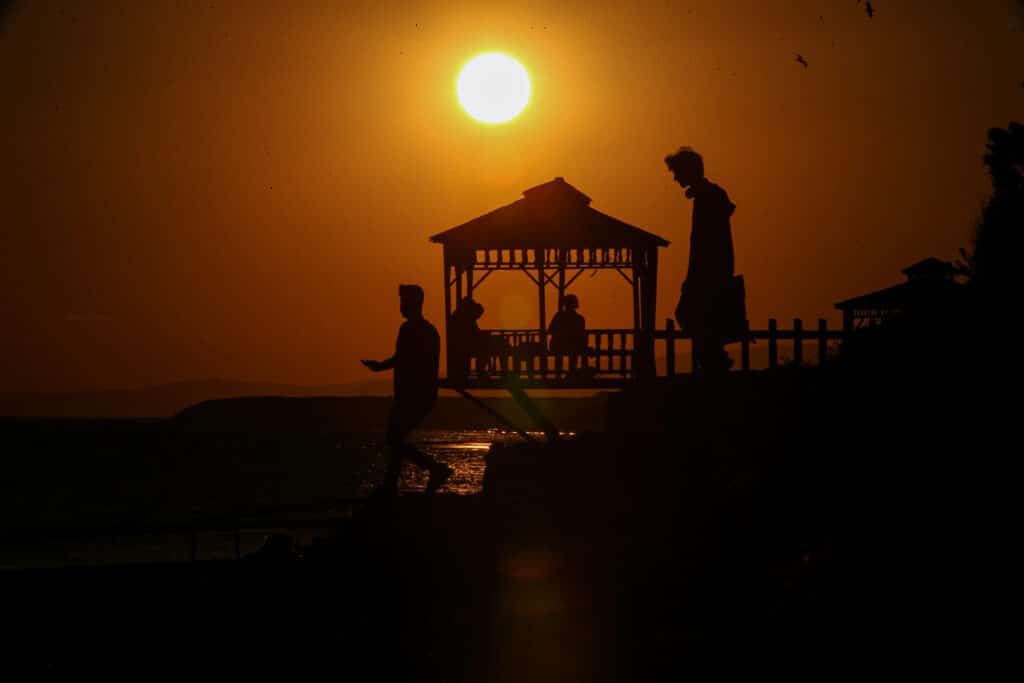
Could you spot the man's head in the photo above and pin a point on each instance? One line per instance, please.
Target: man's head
(686, 165)
(410, 299)
(469, 306)
(570, 302)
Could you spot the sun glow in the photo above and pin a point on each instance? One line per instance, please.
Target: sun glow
(493, 88)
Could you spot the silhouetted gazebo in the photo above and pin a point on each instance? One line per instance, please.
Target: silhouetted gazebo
(552, 235)
(930, 287)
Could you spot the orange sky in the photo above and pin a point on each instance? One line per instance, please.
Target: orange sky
(235, 189)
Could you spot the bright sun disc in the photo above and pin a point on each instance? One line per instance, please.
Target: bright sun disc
(493, 88)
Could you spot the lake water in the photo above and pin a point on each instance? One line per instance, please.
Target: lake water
(465, 451)
(174, 481)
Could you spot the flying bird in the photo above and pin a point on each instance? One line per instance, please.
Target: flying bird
(869, 9)
(800, 59)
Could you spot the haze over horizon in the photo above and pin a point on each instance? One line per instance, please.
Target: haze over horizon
(229, 190)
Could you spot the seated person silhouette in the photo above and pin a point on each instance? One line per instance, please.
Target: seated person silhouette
(415, 385)
(466, 340)
(568, 331)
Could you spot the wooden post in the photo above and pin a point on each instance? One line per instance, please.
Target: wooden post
(543, 356)
(541, 306)
(597, 350)
(670, 347)
(514, 362)
(585, 356)
(745, 349)
(447, 310)
(561, 277)
(615, 360)
(822, 341)
(609, 364)
(610, 338)
(773, 344)
(645, 265)
(798, 341)
(636, 298)
(622, 353)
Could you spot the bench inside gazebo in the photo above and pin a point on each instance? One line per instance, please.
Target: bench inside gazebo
(552, 235)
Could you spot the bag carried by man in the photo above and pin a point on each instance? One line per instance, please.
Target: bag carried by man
(720, 311)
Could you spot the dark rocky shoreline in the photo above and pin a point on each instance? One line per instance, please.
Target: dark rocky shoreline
(762, 533)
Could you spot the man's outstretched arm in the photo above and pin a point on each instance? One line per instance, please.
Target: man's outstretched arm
(379, 365)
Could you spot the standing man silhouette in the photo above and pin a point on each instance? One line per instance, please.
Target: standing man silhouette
(708, 298)
(415, 364)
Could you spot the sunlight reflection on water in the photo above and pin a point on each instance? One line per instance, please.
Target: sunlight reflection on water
(463, 450)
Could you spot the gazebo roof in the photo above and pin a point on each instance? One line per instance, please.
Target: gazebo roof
(930, 269)
(911, 293)
(930, 280)
(554, 214)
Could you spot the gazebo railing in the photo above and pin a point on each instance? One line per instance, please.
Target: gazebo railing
(611, 354)
(525, 353)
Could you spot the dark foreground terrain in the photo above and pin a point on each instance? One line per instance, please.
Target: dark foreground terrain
(805, 522)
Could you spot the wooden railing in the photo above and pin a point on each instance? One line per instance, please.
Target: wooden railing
(821, 336)
(523, 353)
(611, 353)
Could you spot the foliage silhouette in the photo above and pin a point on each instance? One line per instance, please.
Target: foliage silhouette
(987, 264)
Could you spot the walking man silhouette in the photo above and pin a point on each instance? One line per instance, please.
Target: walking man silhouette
(711, 307)
(415, 386)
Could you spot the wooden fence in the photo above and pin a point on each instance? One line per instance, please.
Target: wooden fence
(611, 353)
(522, 353)
(822, 335)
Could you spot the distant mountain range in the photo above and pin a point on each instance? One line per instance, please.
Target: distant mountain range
(165, 400)
(220, 405)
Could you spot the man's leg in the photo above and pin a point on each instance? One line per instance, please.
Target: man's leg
(703, 353)
(709, 352)
(724, 361)
(698, 346)
(401, 421)
(574, 362)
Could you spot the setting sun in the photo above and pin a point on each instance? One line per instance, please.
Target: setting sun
(493, 88)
